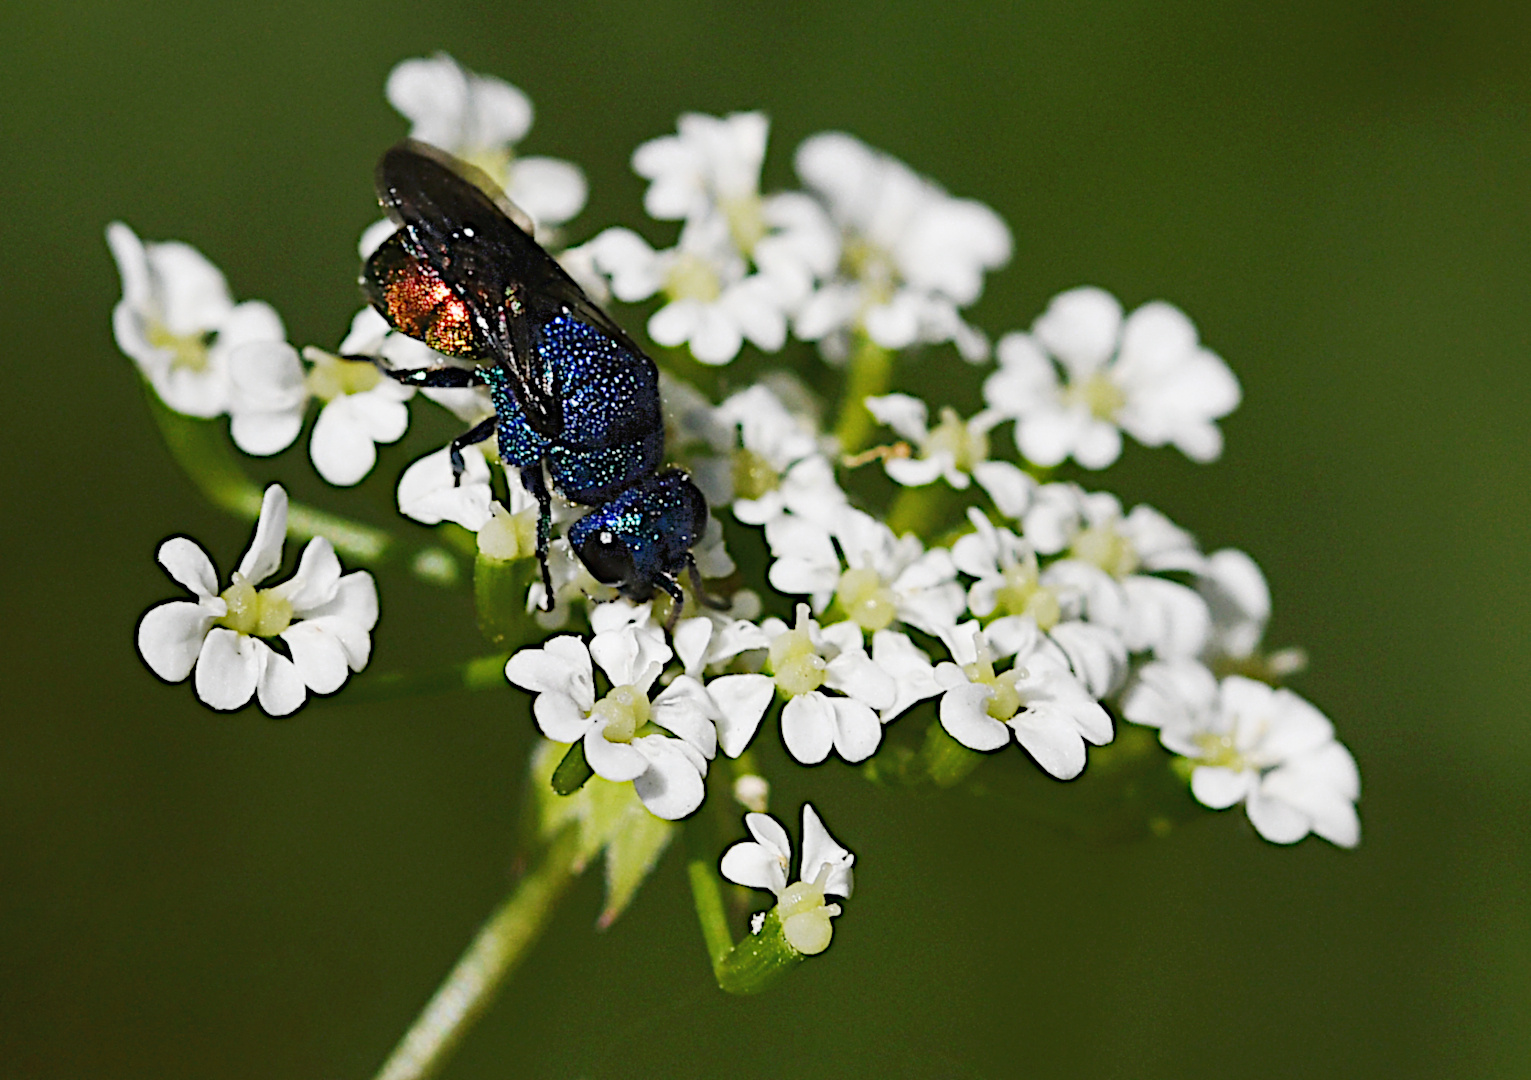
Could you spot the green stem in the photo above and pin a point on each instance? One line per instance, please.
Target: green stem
(499, 947)
(202, 451)
(480, 673)
(871, 372)
(708, 899)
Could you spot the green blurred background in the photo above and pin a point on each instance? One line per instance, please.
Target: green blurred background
(1337, 193)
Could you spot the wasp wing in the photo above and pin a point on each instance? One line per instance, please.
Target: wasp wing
(453, 219)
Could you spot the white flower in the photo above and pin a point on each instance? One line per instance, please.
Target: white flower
(778, 466)
(1247, 742)
(803, 658)
(1104, 552)
(710, 171)
(360, 407)
(1009, 582)
(666, 769)
(885, 578)
(1240, 603)
(766, 862)
(714, 303)
(177, 321)
(951, 451)
(430, 494)
(910, 255)
(1082, 376)
(324, 619)
(370, 335)
(1038, 700)
(479, 119)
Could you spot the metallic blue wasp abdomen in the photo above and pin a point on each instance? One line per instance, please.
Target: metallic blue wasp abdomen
(613, 433)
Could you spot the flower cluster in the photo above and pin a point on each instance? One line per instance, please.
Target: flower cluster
(990, 600)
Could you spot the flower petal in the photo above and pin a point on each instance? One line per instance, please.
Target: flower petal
(741, 702)
(229, 667)
(672, 785)
(170, 638)
(808, 727)
(265, 553)
(186, 562)
(280, 689)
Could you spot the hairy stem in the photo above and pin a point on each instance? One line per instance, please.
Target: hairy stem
(478, 976)
(708, 899)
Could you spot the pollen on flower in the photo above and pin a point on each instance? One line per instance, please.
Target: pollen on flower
(805, 917)
(753, 475)
(188, 352)
(506, 536)
(952, 435)
(255, 612)
(1108, 549)
(866, 599)
(1023, 594)
(623, 711)
(330, 377)
(692, 277)
(746, 221)
(795, 663)
(1004, 699)
(1220, 752)
(1098, 393)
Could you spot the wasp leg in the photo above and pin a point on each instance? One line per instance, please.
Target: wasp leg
(451, 378)
(717, 603)
(476, 434)
(677, 600)
(531, 480)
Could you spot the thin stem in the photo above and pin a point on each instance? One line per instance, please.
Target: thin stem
(484, 967)
(480, 673)
(871, 371)
(203, 453)
(708, 899)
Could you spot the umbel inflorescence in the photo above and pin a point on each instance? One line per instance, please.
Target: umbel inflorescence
(987, 600)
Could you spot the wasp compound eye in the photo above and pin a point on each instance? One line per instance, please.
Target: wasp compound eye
(607, 557)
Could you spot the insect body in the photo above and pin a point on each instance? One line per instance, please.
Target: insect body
(570, 389)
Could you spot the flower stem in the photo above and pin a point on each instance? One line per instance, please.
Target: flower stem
(476, 979)
(708, 899)
(871, 370)
(480, 673)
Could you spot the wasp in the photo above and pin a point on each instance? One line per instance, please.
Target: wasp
(576, 401)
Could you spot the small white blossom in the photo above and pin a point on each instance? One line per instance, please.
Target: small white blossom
(360, 407)
(1083, 376)
(778, 466)
(1240, 603)
(1112, 560)
(1249, 743)
(950, 451)
(1010, 582)
(178, 323)
(766, 863)
(884, 578)
(910, 255)
(1038, 700)
(430, 494)
(479, 119)
(324, 619)
(666, 769)
(714, 303)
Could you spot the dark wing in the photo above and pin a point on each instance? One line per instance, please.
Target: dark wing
(511, 287)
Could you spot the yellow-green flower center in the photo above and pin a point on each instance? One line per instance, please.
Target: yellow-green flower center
(1004, 699)
(1024, 594)
(257, 612)
(623, 711)
(795, 663)
(189, 352)
(1221, 752)
(805, 917)
(753, 475)
(746, 221)
(692, 277)
(506, 536)
(330, 377)
(866, 262)
(866, 600)
(1107, 549)
(1098, 393)
(954, 436)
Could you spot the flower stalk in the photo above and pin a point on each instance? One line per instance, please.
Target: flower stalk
(483, 969)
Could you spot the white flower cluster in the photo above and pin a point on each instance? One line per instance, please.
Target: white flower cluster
(870, 247)
(1057, 609)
